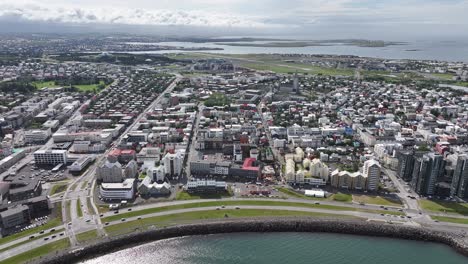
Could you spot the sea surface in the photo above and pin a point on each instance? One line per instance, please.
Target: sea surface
(443, 50)
(284, 248)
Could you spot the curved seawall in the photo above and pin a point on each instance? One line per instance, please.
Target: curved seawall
(261, 225)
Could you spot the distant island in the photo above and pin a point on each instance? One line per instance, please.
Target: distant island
(299, 44)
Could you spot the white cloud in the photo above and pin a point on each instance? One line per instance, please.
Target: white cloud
(241, 13)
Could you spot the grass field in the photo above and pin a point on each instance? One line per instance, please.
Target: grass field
(88, 87)
(38, 252)
(450, 219)
(240, 203)
(367, 199)
(58, 188)
(444, 207)
(67, 209)
(173, 219)
(79, 210)
(341, 197)
(86, 236)
(443, 76)
(183, 195)
(90, 206)
(43, 84)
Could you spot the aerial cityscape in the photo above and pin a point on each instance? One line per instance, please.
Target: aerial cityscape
(128, 134)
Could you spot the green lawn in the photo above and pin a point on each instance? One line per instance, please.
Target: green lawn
(242, 202)
(183, 195)
(67, 209)
(444, 76)
(340, 197)
(38, 252)
(79, 211)
(88, 235)
(379, 200)
(44, 84)
(88, 87)
(173, 219)
(58, 188)
(90, 206)
(450, 219)
(444, 207)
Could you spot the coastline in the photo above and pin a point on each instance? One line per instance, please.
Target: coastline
(288, 224)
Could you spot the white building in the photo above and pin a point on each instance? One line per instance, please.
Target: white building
(81, 163)
(37, 136)
(50, 157)
(118, 191)
(110, 172)
(372, 172)
(173, 163)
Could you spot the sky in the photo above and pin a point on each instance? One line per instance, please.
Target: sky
(378, 19)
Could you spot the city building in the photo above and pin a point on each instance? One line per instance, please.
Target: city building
(118, 190)
(15, 216)
(427, 169)
(50, 157)
(372, 172)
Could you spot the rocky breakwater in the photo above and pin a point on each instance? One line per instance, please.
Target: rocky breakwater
(261, 225)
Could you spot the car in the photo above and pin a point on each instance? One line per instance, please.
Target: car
(61, 234)
(382, 206)
(223, 206)
(42, 232)
(31, 237)
(54, 236)
(408, 216)
(88, 220)
(139, 218)
(116, 212)
(316, 203)
(123, 219)
(217, 208)
(106, 223)
(129, 209)
(237, 207)
(437, 221)
(101, 215)
(70, 223)
(382, 214)
(46, 238)
(52, 230)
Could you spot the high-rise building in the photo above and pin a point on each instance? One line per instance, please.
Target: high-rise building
(372, 172)
(426, 171)
(173, 163)
(460, 176)
(110, 172)
(405, 165)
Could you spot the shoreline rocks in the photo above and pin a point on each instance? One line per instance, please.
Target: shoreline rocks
(354, 227)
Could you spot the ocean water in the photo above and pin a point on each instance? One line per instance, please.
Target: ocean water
(443, 50)
(284, 248)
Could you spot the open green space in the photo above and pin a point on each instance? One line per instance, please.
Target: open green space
(86, 236)
(444, 76)
(43, 84)
(174, 219)
(68, 209)
(450, 219)
(58, 188)
(89, 87)
(444, 207)
(183, 195)
(79, 210)
(90, 206)
(242, 202)
(340, 197)
(379, 200)
(38, 252)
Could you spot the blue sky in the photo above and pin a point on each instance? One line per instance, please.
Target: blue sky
(395, 17)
